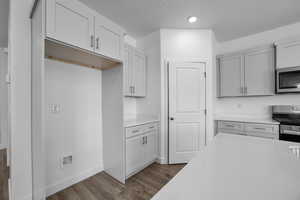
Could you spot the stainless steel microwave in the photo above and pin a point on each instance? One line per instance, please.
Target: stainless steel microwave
(288, 80)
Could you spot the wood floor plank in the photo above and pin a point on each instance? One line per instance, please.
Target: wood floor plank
(142, 186)
(83, 192)
(3, 175)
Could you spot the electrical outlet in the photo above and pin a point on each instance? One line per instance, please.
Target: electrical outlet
(66, 160)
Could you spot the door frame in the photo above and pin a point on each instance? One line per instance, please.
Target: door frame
(167, 63)
(6, 144)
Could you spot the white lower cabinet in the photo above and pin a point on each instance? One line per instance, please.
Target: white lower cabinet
(134, 154)
(270, 131)
(141, 147)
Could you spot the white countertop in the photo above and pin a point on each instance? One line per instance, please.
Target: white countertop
(237, 167)
(250, 119)
(140, 120)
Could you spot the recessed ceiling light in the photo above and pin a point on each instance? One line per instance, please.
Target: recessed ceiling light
(192, 19)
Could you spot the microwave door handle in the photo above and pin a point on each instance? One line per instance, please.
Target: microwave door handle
(290, 132)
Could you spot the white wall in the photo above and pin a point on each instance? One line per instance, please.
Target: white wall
(186, 45)
(151, 104)
(256, 106)
(20, 99)
(77, 128)
(3, 99)
(130, 110)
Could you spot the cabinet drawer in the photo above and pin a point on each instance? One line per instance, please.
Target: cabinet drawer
(134, 131)
(150, 127)
(263, 135)
(261, 128)
(232, 126)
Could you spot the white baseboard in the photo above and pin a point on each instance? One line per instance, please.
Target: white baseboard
(54, 188)
(162, 160)
(2, 146)
(29, 197)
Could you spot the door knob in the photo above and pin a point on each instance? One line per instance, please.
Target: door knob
(171, 118)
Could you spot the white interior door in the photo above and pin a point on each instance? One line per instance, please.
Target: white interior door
(186, 110)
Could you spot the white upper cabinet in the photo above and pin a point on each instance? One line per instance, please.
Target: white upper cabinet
(288, 53)
(108, 38)
(247, 73)
(70, 22)
(73, 23)
(128, 70)
(134, 72)
(259, 72)
(139, 68)
(231, 76)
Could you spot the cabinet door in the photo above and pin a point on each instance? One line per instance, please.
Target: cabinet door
(231, 76)
(288, 55)
(134, 154)
(139, 74)
(260, 72)
(150, 147)
(70, 22)
(108, 39)
(128, 70)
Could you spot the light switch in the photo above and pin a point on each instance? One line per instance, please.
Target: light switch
(54, 108)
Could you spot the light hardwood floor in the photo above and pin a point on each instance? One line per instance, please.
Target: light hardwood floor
(3, 176)
(141, 186)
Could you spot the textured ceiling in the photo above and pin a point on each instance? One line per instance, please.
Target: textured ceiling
(228, 18)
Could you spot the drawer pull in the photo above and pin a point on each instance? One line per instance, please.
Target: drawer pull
(262, 129)
(135, 131)
(151, 127)
(229, 126)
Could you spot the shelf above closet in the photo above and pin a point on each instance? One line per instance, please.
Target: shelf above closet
(62, 52)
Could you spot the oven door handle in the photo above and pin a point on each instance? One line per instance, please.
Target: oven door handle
(290, 132)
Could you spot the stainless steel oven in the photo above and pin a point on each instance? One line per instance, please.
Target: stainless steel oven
(289, 118)
(288, 80)
(289, 133)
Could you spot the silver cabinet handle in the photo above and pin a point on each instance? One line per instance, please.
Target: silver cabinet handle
(151, 127)
(92, 41)
(229, 126)
(131, 89)
(97, 43)
(262, 129)
(290, 132)
(146, 139)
